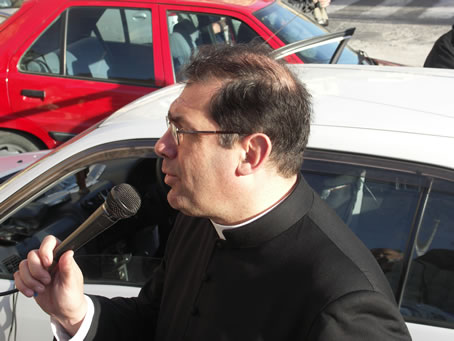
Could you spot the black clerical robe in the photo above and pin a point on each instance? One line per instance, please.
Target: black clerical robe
(297, 273)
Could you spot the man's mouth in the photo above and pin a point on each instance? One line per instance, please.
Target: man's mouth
(170, 179)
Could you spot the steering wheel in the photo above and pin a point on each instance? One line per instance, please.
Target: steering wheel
(43, 67)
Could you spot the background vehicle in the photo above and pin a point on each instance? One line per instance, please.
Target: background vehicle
(71, 63)
(378, 155)
(11, 164)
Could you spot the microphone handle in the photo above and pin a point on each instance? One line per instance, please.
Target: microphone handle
(96, 223)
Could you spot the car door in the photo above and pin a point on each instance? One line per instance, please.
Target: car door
(85, 62)
(404, 213)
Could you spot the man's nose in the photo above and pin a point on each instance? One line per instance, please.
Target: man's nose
(166, 146)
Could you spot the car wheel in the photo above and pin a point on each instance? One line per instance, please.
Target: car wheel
(14, 143)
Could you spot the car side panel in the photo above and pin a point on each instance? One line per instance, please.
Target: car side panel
(421, 332)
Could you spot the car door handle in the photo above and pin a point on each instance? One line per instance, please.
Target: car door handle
(33, 93)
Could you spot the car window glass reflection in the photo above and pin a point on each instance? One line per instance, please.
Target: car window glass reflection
(188, 31)
(126, 253)
(429, 291)
(44, 55)
(101, 44)
(290, 27)
(380, 207)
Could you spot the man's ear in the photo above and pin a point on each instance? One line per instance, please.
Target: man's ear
(256, 149)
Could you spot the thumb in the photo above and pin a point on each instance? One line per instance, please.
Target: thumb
(67, 267)
(69, 277)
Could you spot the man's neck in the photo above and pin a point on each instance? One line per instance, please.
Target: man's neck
(264, 200)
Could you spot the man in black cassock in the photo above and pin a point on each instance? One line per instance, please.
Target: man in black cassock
(255, 254)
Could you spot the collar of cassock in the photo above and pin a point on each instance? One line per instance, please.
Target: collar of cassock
(272, 222)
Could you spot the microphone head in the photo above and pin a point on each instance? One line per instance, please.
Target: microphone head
(122, 202)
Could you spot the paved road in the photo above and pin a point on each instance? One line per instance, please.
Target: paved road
(402, 31)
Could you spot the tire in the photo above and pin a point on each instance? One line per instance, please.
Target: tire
(14, 143)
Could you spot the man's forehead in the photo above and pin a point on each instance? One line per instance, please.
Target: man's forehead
(193, 102)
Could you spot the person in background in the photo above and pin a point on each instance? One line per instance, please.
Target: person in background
(442, 53)
(316, 7)
(255, 253)
(320, 13)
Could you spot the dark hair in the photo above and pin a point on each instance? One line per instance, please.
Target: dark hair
(258, 94)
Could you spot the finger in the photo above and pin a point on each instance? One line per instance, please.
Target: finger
(46, 250)
(36, 268)
(21, 286)
(25, 282)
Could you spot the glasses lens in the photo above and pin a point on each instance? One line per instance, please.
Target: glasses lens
(173, 130)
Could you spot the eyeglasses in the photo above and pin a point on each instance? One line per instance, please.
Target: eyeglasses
(177, 131)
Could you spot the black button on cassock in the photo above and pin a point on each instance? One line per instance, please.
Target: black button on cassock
(194, 311)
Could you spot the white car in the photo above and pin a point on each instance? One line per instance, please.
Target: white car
(380, 153)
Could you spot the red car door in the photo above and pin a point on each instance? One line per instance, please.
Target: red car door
(84, 63)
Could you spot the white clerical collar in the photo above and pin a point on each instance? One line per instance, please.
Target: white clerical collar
(220, 228)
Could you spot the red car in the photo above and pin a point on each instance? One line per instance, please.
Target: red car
(67, 64)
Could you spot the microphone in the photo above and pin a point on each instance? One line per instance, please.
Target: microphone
(122, 202)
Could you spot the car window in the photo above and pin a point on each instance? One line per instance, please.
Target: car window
(109, 44)
(44, 55)
(406, 219)
(291, 27)
(188, 31)
(124, 254)
(429, 289)
(108, 27)
(139, 26)
(377, 205)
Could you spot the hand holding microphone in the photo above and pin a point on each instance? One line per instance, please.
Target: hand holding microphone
(60, 294)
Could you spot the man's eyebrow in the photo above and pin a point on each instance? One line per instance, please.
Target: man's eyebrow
(177, 119)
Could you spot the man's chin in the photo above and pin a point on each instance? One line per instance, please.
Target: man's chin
(179, 203)
(174, 200)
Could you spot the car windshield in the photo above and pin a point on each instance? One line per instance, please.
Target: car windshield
(290, 27)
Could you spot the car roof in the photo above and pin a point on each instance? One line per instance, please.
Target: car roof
(393, 112)
(396, 112)
(247, 5)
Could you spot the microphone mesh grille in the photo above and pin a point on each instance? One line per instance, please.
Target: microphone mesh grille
(123, 201)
